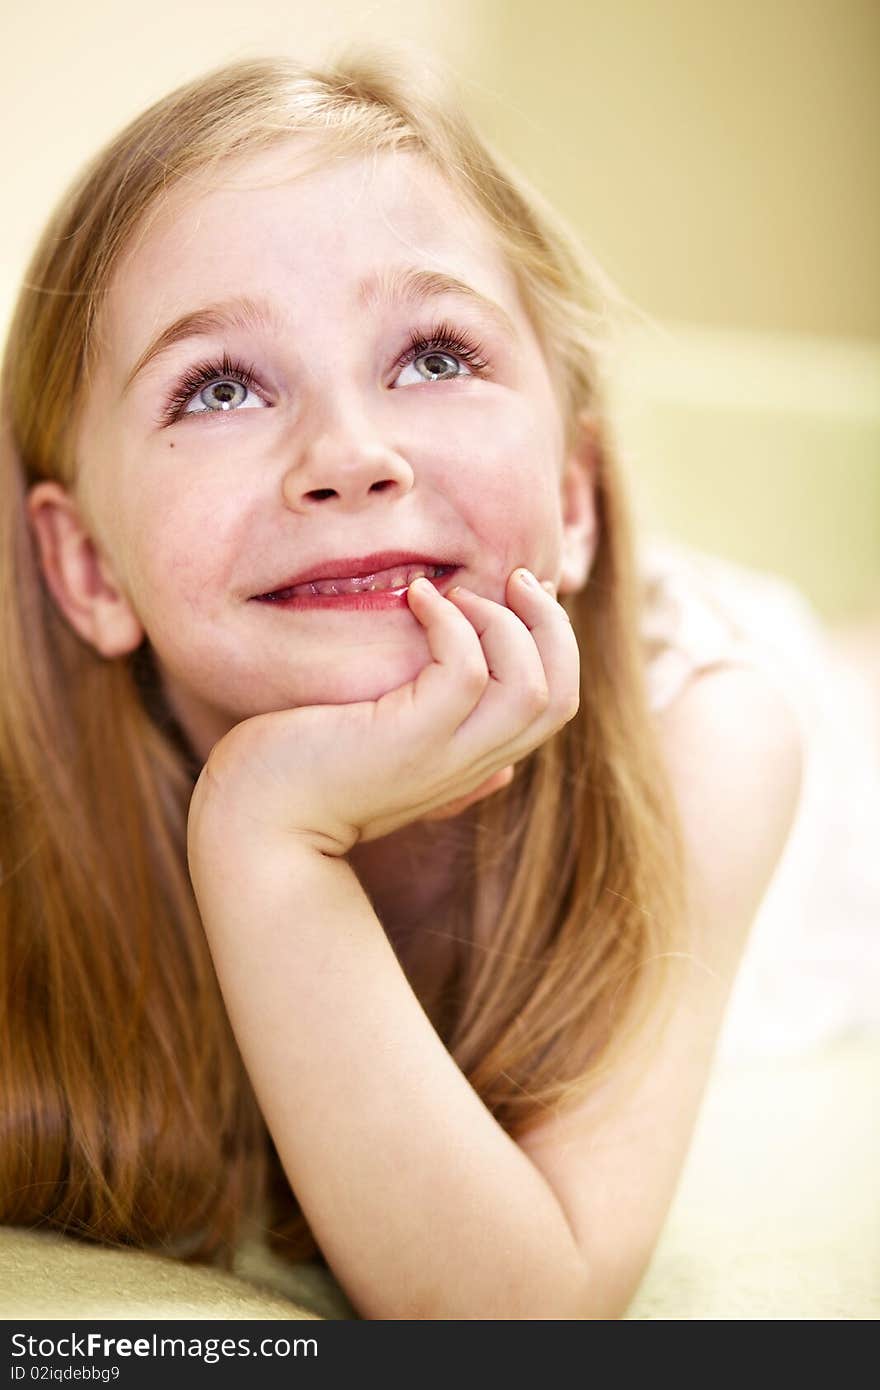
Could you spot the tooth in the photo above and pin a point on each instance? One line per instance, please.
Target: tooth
(384, 580)
(399, 578)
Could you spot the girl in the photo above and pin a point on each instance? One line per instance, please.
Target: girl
(351, 886)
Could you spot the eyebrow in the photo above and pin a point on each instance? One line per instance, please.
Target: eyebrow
(409, 285)
(242, 313)
(400, 285)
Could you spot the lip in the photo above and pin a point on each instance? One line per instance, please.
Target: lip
(354, 567)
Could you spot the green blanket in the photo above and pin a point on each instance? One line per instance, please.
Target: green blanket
(777, 1216)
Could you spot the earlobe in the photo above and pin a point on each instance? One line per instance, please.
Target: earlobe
(579, 514)
(77, 575)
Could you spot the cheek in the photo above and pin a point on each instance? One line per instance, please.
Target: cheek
(179, 547)
(506, 482)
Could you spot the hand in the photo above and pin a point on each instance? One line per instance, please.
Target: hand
(501, 681)
(493, 783)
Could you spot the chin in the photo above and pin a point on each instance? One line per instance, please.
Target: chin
(345, 686)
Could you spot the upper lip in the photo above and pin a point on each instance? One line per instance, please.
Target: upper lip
(357, 566)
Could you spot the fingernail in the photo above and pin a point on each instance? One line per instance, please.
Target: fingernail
(549, 586)
(421, 585)
(528, 578)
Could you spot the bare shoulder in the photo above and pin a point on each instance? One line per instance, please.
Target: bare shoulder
(733, 747)
(735, 753)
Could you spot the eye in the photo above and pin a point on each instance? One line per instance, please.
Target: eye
(433, 366)
(221, 395)
(216, 386)
(440, 356)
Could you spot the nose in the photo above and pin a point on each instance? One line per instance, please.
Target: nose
(344, 465)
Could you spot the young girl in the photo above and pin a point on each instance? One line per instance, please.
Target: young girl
(379, 910)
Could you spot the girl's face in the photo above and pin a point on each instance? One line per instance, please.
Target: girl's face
(321, 436)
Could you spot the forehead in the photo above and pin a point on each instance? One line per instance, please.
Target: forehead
(302, 223)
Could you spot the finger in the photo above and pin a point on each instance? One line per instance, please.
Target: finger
(551, 630)
(518, 690)
(532, 653)
(447, 689)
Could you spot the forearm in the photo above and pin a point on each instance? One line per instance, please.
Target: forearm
(423, 1206)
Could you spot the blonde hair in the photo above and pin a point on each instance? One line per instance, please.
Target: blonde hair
(128, 1116)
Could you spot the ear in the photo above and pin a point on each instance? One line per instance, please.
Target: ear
(80, 579)
(578, 498)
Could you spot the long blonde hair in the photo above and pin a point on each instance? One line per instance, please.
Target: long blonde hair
(128, 1117)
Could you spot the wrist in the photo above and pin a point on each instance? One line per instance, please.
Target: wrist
(250, 885)
(228, 852)
(219, 826)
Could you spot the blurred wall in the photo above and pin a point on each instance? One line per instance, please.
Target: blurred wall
(721, 162)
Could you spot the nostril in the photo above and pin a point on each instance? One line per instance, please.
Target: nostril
(318, 494)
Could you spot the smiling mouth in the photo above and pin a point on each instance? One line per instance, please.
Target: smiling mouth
(395, 580)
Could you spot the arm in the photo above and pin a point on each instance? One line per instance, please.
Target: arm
(735, 756)
(423, 1205)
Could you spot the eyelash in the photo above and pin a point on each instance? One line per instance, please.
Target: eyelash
(444, 337)
(225, 369)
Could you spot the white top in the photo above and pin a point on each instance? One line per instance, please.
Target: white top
(811, 969)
